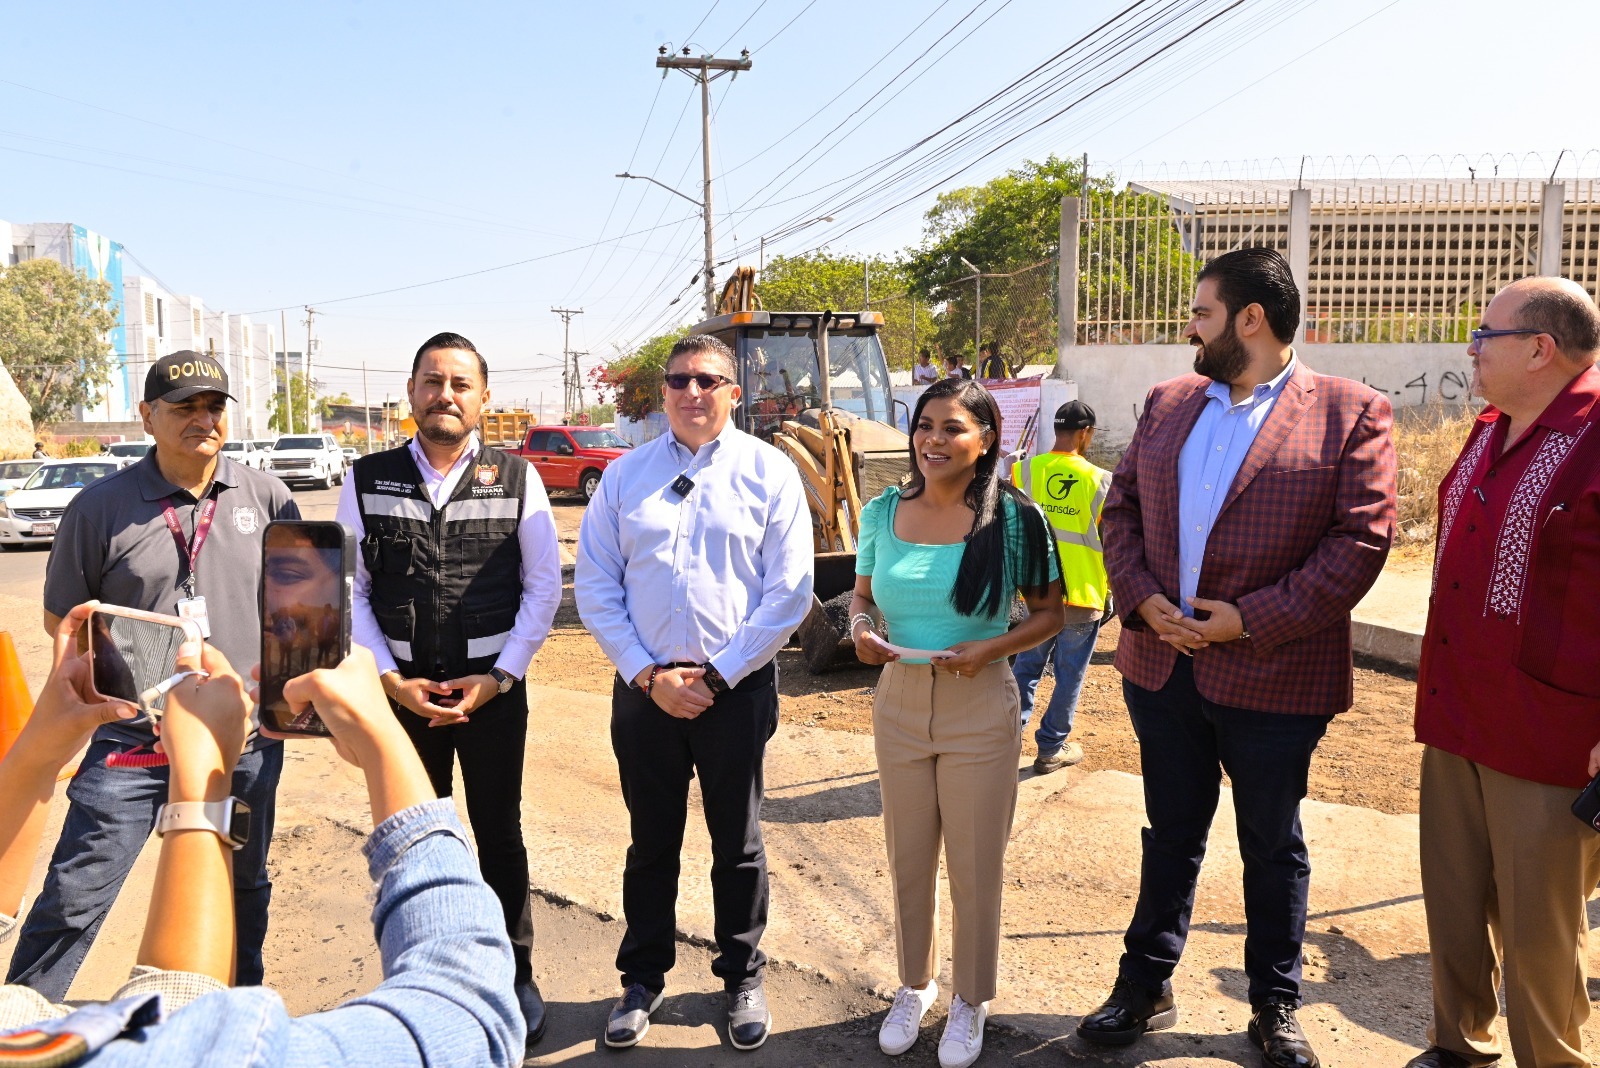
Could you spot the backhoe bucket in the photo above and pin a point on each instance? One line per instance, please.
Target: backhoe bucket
(825, 643)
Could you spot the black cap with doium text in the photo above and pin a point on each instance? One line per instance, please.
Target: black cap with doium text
(180, 375)
(1075, 415)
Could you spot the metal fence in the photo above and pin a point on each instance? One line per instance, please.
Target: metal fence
(1378, 260)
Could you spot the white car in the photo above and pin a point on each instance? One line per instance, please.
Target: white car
(29, 516)
(13, 473)
(313, 458)
(245, 452)
(129, 452)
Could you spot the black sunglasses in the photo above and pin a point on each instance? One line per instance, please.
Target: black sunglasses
(707, 383)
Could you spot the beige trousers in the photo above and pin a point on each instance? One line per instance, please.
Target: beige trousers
(947, 765)
(1507, 871)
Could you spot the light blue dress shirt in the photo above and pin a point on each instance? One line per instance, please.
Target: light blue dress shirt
(721, 574)
(446, 998)
(1211, 457)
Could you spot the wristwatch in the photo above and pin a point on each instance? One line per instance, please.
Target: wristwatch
(714, 680)
(504, 678)
(228, 819)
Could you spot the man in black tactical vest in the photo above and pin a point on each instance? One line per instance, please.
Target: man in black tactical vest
(457, 582)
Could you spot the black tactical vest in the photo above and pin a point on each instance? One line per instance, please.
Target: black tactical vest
(446, 584)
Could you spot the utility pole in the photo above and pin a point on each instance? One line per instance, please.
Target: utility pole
(366, 405)
(287, 422)
(571, 382)
(311, 315)
(700, 69)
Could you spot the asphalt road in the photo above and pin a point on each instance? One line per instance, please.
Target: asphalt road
(22, 570)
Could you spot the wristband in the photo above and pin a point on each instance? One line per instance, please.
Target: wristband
(650, 684)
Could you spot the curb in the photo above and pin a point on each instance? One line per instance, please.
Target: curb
(1393, 645)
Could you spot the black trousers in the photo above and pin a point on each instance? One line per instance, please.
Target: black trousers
(657, 755)
(1185, 743)
(490, 745)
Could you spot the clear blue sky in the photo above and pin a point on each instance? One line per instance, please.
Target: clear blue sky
(312, 151)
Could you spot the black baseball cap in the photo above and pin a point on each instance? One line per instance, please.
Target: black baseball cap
(180, 375)
(1075, 415)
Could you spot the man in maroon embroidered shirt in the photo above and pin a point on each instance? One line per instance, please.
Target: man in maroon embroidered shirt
(1508, 701)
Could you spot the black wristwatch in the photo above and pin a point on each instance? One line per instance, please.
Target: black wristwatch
(504, 678)
(714, 680)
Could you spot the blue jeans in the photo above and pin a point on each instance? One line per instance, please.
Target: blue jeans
(1071, 650)
(111, 815)
(1185, 743)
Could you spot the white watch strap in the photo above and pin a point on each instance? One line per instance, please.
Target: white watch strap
(213, 816)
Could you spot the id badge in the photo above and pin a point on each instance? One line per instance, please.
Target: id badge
(194, 608)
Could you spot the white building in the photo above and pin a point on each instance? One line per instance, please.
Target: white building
(152, 322)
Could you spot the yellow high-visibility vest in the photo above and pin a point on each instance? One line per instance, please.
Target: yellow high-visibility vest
(1071, 492)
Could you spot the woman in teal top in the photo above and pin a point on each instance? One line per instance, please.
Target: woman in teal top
(942, 560)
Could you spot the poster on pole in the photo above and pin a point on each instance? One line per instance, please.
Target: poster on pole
(1018, 399)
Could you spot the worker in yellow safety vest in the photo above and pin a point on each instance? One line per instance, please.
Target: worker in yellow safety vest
(1071, 492)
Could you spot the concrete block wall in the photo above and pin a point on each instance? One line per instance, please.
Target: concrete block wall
(1115, 378)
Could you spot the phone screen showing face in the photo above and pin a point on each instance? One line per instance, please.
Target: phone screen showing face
(306, 576)
(131, 656)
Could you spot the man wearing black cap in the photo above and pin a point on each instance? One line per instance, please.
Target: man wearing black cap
(178, 533)
(1071, 491)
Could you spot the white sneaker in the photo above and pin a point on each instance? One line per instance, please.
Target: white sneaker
(901, 1026)
(963, 1034)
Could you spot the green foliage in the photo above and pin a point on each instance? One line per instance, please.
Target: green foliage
(821, 281)
(601, 413)
(634, 381)
(53, 323)
(296, 422)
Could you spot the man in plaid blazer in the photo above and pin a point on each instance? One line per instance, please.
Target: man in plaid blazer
(1253, 509)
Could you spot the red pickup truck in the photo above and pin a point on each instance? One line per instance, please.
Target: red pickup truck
(571, 457)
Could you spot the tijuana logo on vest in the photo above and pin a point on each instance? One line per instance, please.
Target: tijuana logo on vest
(488, 474)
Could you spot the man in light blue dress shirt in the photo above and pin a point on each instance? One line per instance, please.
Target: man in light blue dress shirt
(694, 568)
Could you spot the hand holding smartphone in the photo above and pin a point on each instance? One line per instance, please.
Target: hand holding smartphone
(133, 654)
(307, 577)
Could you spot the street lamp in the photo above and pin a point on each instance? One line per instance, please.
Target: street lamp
(664, 185)
(785, 232)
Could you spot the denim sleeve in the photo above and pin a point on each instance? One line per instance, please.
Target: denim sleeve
(446, 997)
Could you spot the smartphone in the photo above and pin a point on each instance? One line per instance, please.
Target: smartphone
(131, 652)
(307, 575)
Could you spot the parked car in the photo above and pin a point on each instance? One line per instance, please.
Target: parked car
(350, 457)
(129, 452)
(313, 458)
(28, 516)
(13, 473)
(571, 457)
(245, 452)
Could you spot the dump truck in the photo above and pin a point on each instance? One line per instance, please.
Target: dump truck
(816, 386)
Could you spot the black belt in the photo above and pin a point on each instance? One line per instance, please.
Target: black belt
(761, 677)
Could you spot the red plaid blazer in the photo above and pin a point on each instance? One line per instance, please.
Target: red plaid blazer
(1301, 537)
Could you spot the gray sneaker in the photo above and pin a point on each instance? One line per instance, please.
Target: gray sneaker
(1065, 757)
(749, 1022)
(630, 1016)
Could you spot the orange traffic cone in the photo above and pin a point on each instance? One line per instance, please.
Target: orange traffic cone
(15, 704)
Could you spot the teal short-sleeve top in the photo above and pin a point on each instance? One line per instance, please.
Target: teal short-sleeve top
(912, 581)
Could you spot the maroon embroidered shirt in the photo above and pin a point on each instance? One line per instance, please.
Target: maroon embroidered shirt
(1508, 677)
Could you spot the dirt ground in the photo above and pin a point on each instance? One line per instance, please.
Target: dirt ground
(1368, 757)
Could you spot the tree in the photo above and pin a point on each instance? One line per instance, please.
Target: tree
(53, 326)
(821, 281)
(1013, 222)
(296, 423)
(634, 380)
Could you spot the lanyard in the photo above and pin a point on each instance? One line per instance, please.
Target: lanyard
(204, 511)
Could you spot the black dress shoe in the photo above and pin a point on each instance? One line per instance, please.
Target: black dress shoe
(1277, 1035)
(1439, 1057)
(532, 1003)
(1129, 1012)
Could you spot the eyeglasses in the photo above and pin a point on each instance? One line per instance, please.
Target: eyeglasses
(707, 383)
(1481, 335)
